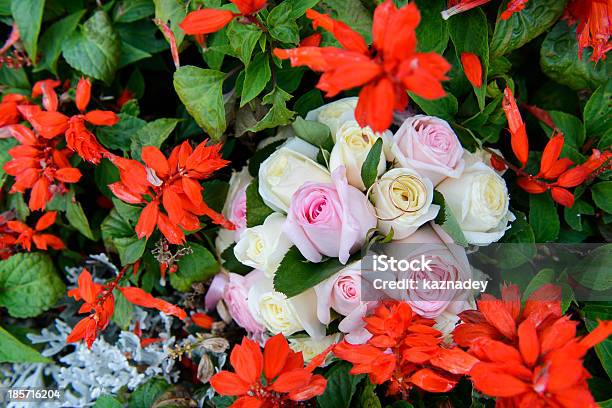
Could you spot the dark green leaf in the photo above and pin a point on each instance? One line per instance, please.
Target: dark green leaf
(106, 401)
(432, 32)
(299, 7)
(353, 13)
(295, 274)
(243, 39)
(28, 16)
(593, 272)
(152, 134)
(368, 397)
(594, 312)
(541, 278)
(195, 267)
(543, 217)
(76, 216)
(29, 284)
(307, 102)
(119, 235)
(573, 130)
(602, 195)
(598, 111)
(573, 215)
(130, 249)
(523, 27)
(341, 386)
(201, 90)
(14, 351)
(278, 114)
(120, 135)
(447, 220)
(94, 49)
(369, 168)
(257, 210)
(231, 263)
(260, 155)
(127, 11)
(122, 315)
(315, 133)
(131, 54)
(521, 235)
(53, 38)
(445, 108)
(257, 75)
(214, 194)
(144, 395)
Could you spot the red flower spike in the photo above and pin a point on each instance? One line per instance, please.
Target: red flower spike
(531, 186)
(313, 40)
(83, 94)
(594, 19)
(206, 21)
(551, 153)
(542, 364)
(286, 377)
(202, 320)
(46, 88)
(518, 133)
(562, 196)
(385, 71)
(573, 177)
(472, 68)
(26, 235)
(139, 297)
(514, 6)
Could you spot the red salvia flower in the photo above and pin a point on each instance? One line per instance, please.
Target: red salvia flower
(518, 131)
(385, 71)
(209, 20)
(472, 68)
(100, 303)
(79, 138)
(27, 235)
(286, 378)
(594, 25)
(173, 183)
(9, 109)
(530, 357)
(46, 89)
(38, 164)
(405, 351)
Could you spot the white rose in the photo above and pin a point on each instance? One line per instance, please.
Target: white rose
(480, 202)
(224, 239)
(264, 246)
(403, 201)
(281, 174)
(280, 314)
(481, 155)
(353, 143)
(334, 114)
(311, 348)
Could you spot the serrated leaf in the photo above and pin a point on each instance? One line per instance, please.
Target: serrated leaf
(201, 91)
(152, 134)
(195, 267)
(520, 28)
(28, 17)
(14, 351)
(106, 401)
(53, 38)
(29, 284)
(257, 75)
(543, 218)
(278, 115)
(369, 168)
(353, 13)
(119, 235)
(94, 49)
(295, 274)
(257, 210)
(282, 25)
(559, 60)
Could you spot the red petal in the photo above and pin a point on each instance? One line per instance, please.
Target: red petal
(551, 153)
(558, 168)
(531, 186)
(399, 42)
(528, 342)
(226, 383)
(206, 21)
(429, 380)
(155, 159)
(83, 94)
(23, 134)
(497, 316)
(314, 388)
(101, 118)
(173, 234)
(518, 133)
(493, 382)
(601, 333)
(573, 177)
(193, 190)
(311, 57)
(291, 380)
(423, 73)
(375, 105)
(139, 297)
(313, 40)
(43, 241)
(68, 175)
(124, 193)
(87, 287)
(562, 196)
(454, 360)
(147, 220)
(472, 68)
(382, 15)
(202, 320)
(248, 7)
(247, 360)
(39, 194)
(275, 356)
(49, 124)
(46, 221)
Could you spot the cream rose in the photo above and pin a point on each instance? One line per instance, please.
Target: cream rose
(403, 201)
(353, 143)
(280, 314)
(480, 202)
(334, 114)
(281, 174)
(310, 348)
(264, 246)
(430, 146)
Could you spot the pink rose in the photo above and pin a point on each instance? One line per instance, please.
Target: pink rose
(341, 292)
(329, 219)
(215, 290)
(237, 214)
(428, 145)
(235, 297)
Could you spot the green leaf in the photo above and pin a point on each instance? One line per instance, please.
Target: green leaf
(278, 115)
(53, 38)
(120, 135)
(573, 130)
(593, 271)
(447, 220)
(543, 277)
(520, 232)
(29, 284)
(432, 32)
(145, 395)
(368, 397)
(243, 39)
(341, 386)
(295, 274)
(468, 31)
(594, 312)
(308, 101)
(257, 75)
(174, 12)
(195, 267)
(152, 134)
(104, 174)
(257, 210)
(602, 195)
(130, 249)
(5, 145)
(122, 316)
(14, 351)
(315, 133)
(127, 11)
(214, 194)
(119, 235)
(231, 263)
(369, 168)
(130, 213)
(28, 16)
(106, 401)
(543, 217)
(445, 108)
(282, 25)
(131, 54)
(77, 218)
(353, 13)
(299, 7)
(559, 60)
(201, 91)
(94, 49)
(573, 215)
(523, 27)
(597, 111)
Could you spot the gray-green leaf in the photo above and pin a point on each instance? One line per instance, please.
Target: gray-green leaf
(28, 16)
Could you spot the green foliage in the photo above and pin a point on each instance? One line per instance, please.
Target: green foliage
(28, 17)
(257, 210)
(543, 217)
(53, 38)
(14, 351)
(369, 168)
(195, 267)
(145, 395)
